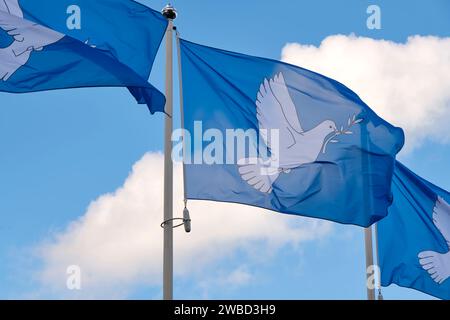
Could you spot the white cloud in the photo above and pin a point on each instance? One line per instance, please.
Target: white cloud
(225, 281)
(118, 241)
(406, 84)
(237, 277)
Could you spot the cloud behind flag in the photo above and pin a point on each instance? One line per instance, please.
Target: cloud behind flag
(414, 239)
(111, 44)
(335, 156)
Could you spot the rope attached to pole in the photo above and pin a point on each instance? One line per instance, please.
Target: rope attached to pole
(186, 220)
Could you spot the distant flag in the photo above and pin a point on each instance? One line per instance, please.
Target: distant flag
(414, 239)
(49, 44)
(322, 152)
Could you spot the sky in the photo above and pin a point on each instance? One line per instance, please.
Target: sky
(81, 170)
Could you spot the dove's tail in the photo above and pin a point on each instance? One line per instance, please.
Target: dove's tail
(258, 174)
(436, 264)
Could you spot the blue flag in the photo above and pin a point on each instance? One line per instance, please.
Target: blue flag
(414, 239)
(49, 44)
(276, 136)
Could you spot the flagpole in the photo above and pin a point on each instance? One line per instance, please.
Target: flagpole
(380, 294)
(369, 261)
(170, 13)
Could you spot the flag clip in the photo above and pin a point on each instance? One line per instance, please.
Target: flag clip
(185, 221)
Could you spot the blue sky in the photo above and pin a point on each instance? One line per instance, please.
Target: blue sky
(61, 150)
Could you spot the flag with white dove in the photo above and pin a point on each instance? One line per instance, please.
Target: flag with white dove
(414, 239)
(273, 135)
(49, 44)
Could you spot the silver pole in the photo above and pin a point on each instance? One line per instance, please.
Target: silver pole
(170, 13)
(369, 261)
(380, 294)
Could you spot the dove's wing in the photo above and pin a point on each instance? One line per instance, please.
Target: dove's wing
(441, 218)
(276, 110)
(11, 16)
(12, 7)
(9, 12)
(27, 35)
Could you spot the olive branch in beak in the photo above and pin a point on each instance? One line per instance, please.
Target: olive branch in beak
(350, 123)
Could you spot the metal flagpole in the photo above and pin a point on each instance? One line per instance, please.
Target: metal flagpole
(170, 13)
(369, 261)
(380, 295)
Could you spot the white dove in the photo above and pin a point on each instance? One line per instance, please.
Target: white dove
(438, 264)
(276, 111)
(28, 37)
